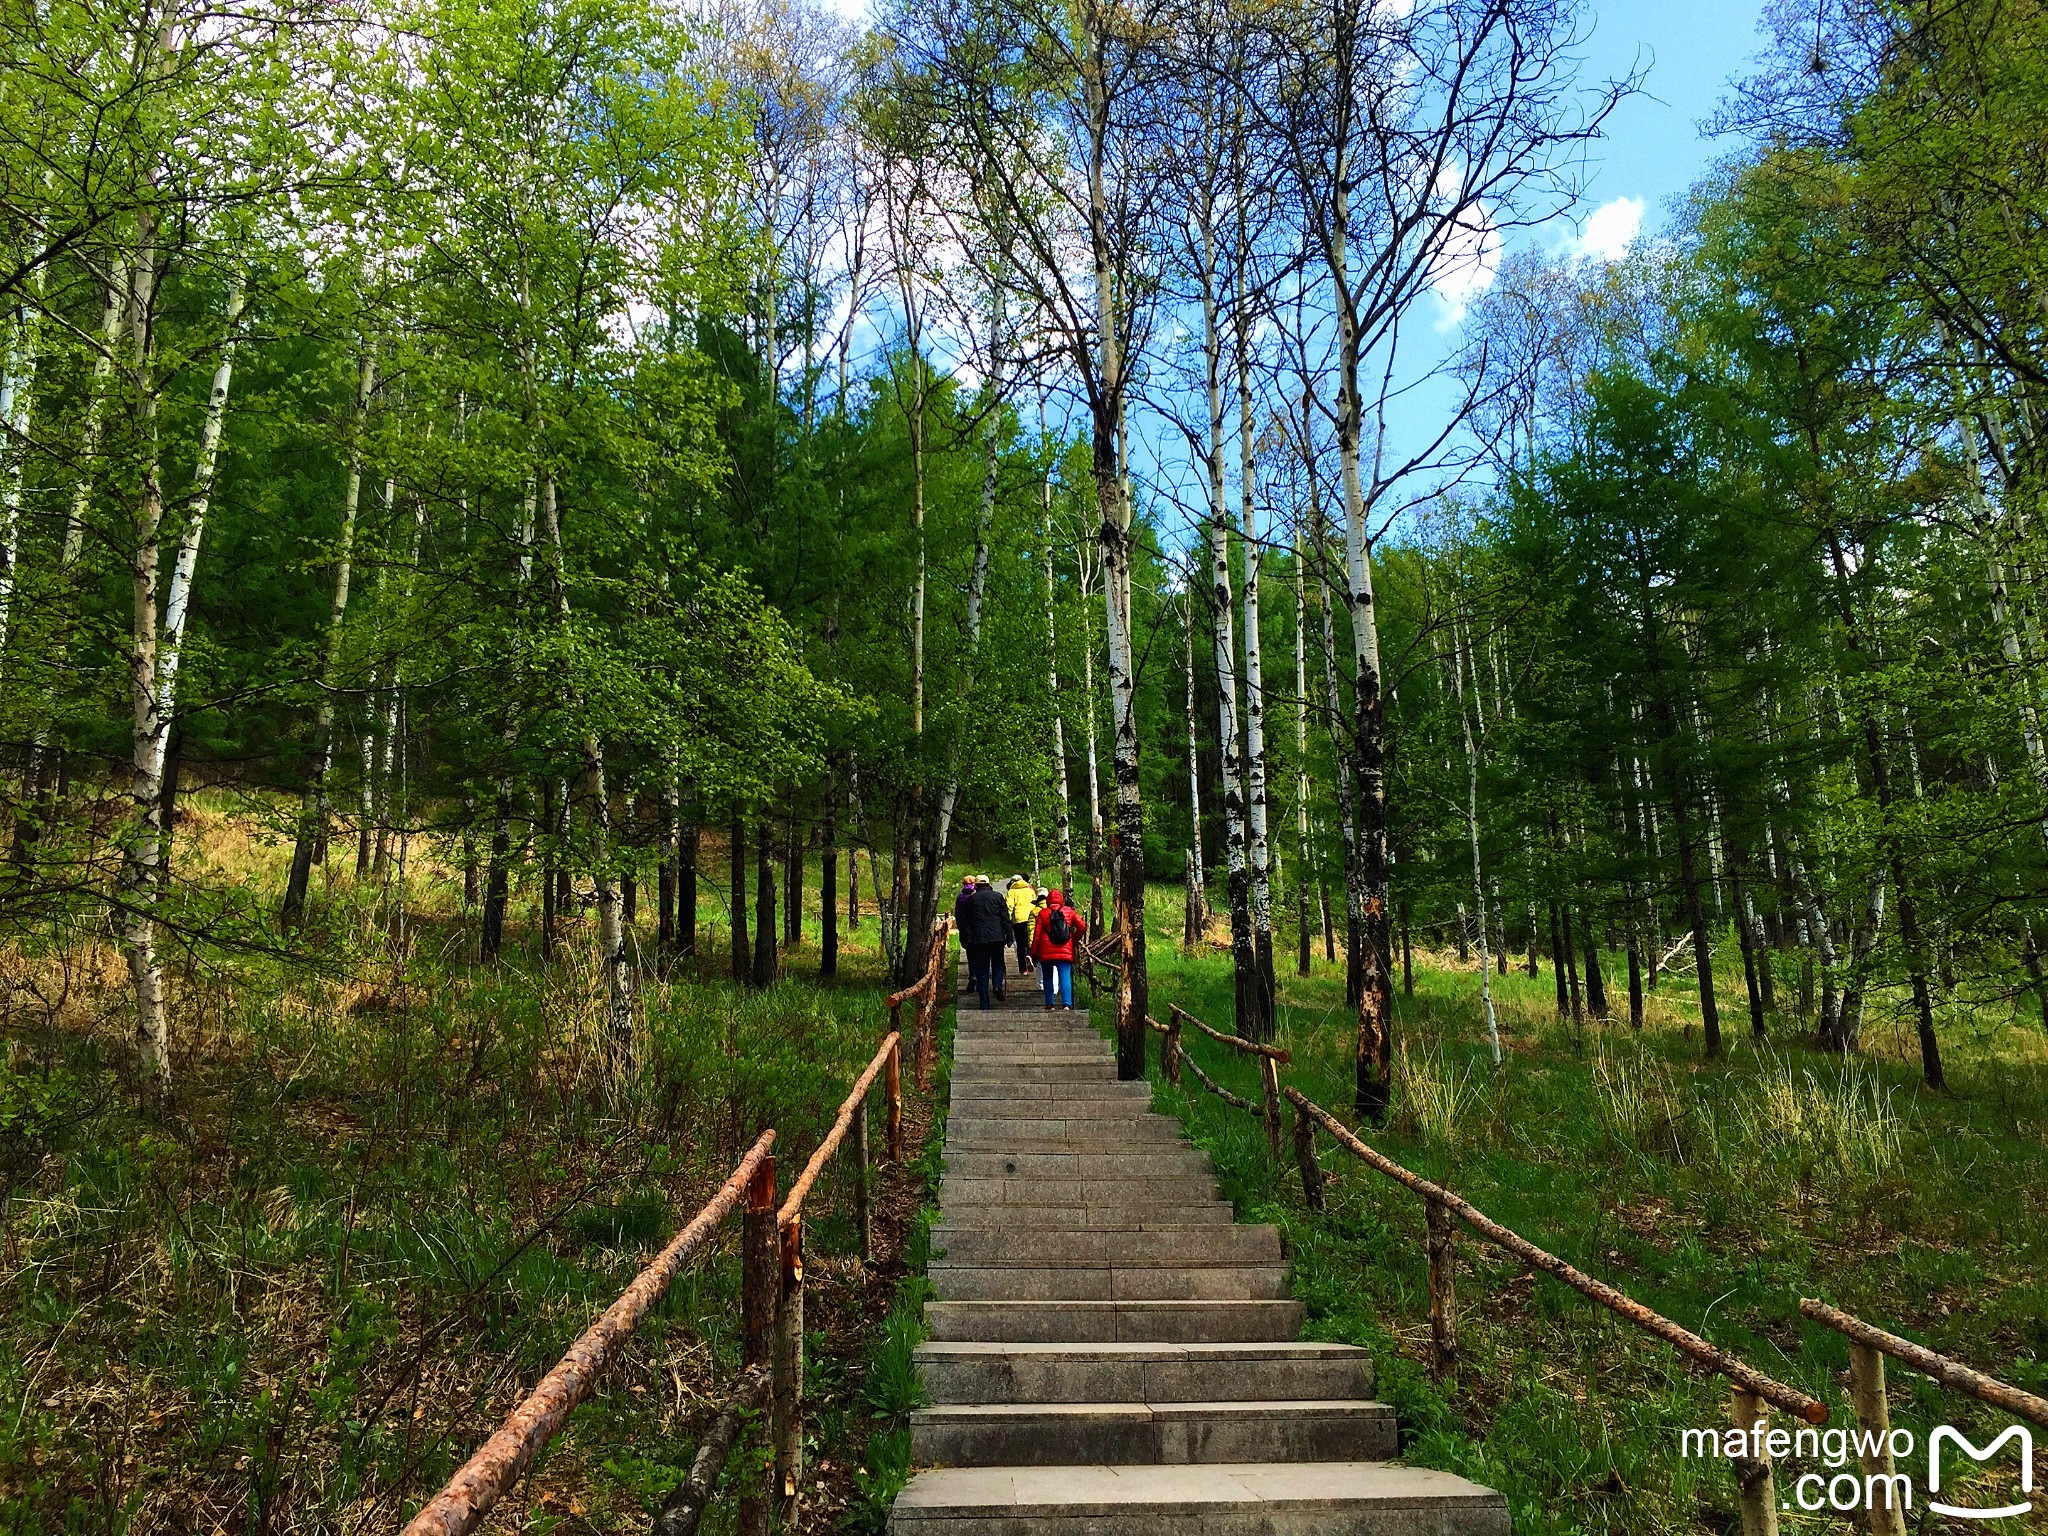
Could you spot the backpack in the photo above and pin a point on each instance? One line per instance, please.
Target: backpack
(1056, 929)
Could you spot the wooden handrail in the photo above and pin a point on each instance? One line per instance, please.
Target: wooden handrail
(1950, 1373)
(1744, 1377)
(500, 1461)
(792, 1207)
(1236, 1042)
(1270, 1058)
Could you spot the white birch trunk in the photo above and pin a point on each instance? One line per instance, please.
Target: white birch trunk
(1197, 895)
(1458, 657)
(1222, 604)
(17, 387)
(1302, 879)
(157, 643)
(1062, 812)
(977, 586)
(1256, 810)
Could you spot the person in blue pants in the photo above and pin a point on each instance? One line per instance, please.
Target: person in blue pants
(1059, 928)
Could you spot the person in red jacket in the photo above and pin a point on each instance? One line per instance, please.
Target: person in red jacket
(1058, 929)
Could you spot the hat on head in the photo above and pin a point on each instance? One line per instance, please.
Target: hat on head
(981, 879)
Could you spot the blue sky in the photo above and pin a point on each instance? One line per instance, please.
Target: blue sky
(1654, 149)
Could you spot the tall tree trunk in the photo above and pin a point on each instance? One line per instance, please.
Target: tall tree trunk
(611, 915)
(1094, 785)
(1696, 919)
(1197, 895)
(1596, 984)
(1259, 851)
(1305, 857)
(666, 870)
(1062, 812)
(1751, 961)
(157, 642)
(686, 887)
(1222, 607)
(764, 901)
(17, 388)
(742, 963)
(793, 884)
(1472, 832)
(828, 879)
(1373, 1084)
(1565, 1005)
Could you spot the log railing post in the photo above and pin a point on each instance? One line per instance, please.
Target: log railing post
(863, 1215)
(893, 1086)
(1269, 1081)
(1305, 1160)
(760, 1288)
(1874, 1420)
(789, 1370)
(1169, 1058)
(1441, 1244)
(1756, 1489)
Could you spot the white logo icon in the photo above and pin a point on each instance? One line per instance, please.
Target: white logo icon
(2017, 1432)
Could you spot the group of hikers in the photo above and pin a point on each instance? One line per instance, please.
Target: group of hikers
(1044, 927)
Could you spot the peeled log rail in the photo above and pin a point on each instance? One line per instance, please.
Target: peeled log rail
(1236, 1042)
(925, 990)
(472, 1492)
(1270, 1057)
(1949, 1373)
(1791, 1399)
(1216, 1088)
(792, 1208)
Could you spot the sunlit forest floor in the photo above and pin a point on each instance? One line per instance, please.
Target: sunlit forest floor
(1716, 1193)
(391, 1188)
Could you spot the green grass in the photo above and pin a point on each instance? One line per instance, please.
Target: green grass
(1718, 1194)
(391, 1188)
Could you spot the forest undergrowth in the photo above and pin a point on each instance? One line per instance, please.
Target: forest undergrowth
(1718, 1193)
(389, 1189)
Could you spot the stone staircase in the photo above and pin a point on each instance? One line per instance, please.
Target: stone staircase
(1110, 1355)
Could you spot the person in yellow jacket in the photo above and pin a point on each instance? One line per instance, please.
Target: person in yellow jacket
(1023, 902)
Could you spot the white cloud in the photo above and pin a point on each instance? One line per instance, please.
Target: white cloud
(1609, 230)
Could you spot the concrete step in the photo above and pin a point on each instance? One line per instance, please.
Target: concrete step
(1117, 1107)
(1090, 1218)
(1139, 1434)
(1349, 1498)
(1134, 1135)
(1178, 1162)
(1168, 1192)
(1180, 1246)
(1107, 1282)
(1113, 1322)
(1005, 1074)
(978, 1372)
(1008, 1091)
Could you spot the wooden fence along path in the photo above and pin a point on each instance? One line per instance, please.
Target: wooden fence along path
(1752, 1394)
(771, 1307)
